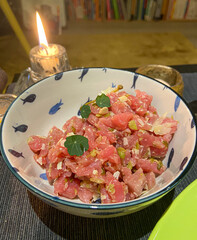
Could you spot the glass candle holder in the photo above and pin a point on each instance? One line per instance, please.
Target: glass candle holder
(47, 61)
(44, 62)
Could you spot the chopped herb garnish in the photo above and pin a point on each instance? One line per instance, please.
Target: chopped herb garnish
(73, 129)
(76, 145)
(93, 153)
(159, 164)
(152, 160)
(121, 152)
(129, 165)
(111, 188)
(132, 125)
(85, 111)
(137, 145)
(103, 100)
(103, 171)
(71, 180)
(165, 143)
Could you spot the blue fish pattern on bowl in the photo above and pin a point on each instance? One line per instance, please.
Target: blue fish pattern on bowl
(56, 107)
(183, 163)
(84, 72)
(58, 76)
(113, 85)
(16, 153)
(43, 176)
(21, 128)
(135, 77)
(177, 103)
(192, 123)
(29, 99)
(170, 157)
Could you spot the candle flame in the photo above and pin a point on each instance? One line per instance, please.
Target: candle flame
(41, 33)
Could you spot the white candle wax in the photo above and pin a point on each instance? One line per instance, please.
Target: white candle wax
(50, 58)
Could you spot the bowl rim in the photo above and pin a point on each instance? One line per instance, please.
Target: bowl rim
(95, 206)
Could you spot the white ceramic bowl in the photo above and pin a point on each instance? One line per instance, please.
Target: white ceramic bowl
(74, 87)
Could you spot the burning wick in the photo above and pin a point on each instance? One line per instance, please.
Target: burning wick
(44, 48)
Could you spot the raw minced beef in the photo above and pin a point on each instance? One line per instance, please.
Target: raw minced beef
(127, 143)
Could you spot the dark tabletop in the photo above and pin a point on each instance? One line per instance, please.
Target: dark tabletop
(24, 216)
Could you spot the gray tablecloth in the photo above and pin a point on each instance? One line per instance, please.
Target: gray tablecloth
(24, 216)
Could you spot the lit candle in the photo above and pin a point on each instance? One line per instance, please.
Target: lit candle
(46, 59)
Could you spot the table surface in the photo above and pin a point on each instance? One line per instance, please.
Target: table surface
(24, 216)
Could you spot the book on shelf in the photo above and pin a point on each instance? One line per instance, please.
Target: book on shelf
(150, 10)
(146, 14)
(70, 9)
(140, 6)
(192, 10)
(145, 2)
(186, 9)
(179, 9)
(158, 10)
(133, 10)
(103, 9)
(123, 9)
(164, 9)
(79, 9)
(169, 9)
(128, 9)
(108, 4)
(115, 9)
(153, 9)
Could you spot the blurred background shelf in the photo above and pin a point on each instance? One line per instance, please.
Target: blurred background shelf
(131, 9)
(57, 14)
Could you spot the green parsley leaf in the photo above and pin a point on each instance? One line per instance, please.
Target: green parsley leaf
(103, 100)
(85, 111)
(76, 145)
